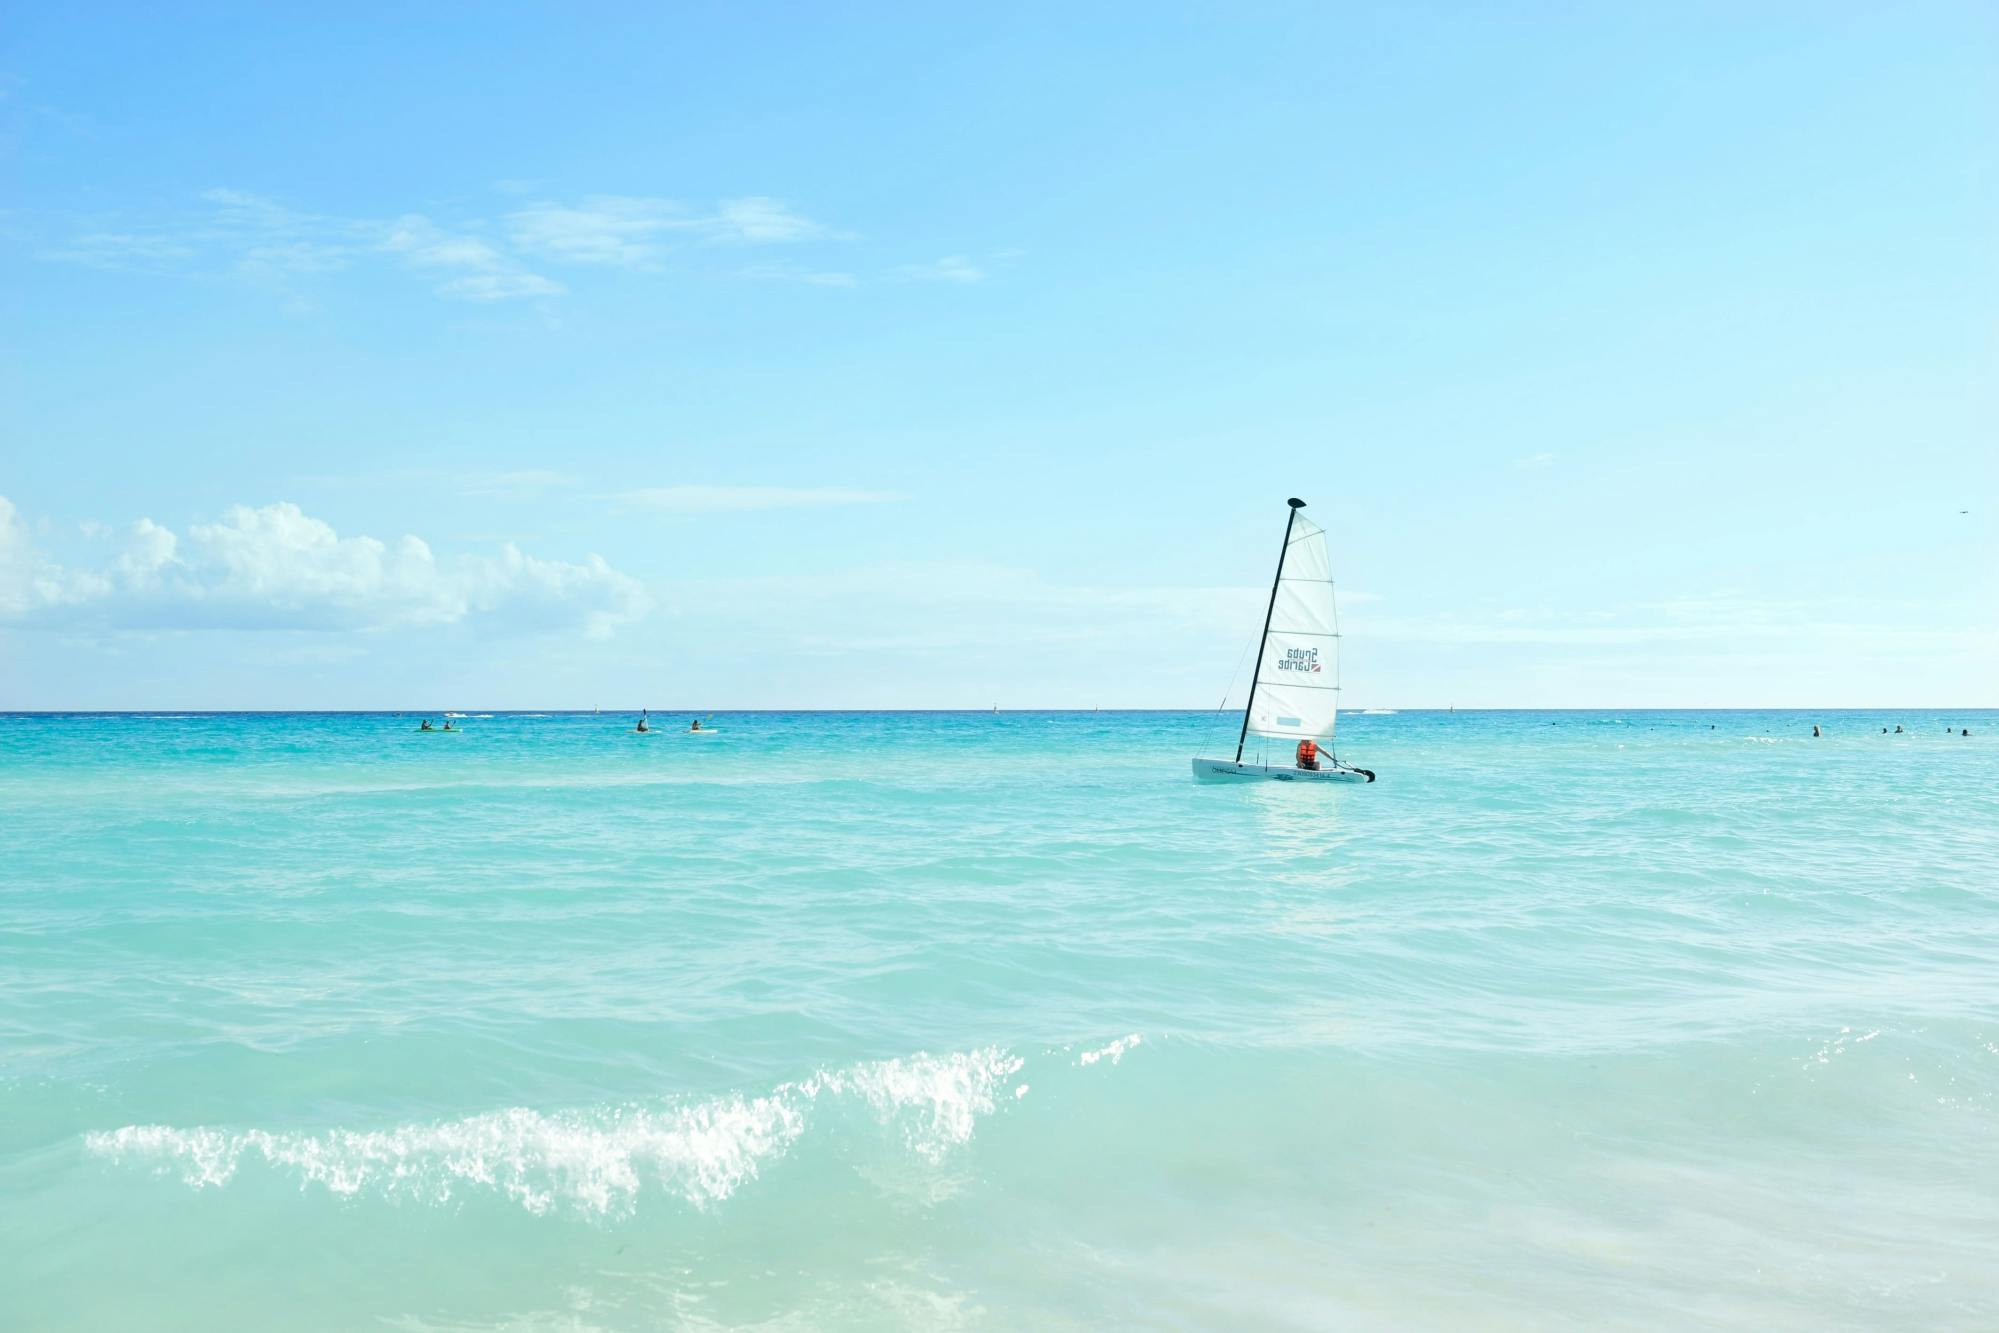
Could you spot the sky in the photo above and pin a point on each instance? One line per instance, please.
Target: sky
(753, 356)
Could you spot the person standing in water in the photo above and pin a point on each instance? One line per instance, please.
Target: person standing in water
(1815, 729)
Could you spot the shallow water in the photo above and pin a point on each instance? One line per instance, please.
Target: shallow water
(998, 1021)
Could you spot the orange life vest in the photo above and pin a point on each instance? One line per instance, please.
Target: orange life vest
(1308, 754)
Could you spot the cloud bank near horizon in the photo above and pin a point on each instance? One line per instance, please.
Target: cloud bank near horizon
(277, 567)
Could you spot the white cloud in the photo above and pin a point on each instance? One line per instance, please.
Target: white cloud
(951, 268)
(493, 258)
(485, 259)
(630, 231)
(423, 242)
(269, 238)
(29, 580)
(490, 275)
(149, 549)
(277, 567)
(603, 229)
(500, 286)
(760, 219)
(736, 499)
(1534, 462)
(254, 210)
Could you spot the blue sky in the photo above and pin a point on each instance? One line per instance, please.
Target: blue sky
(746, 357)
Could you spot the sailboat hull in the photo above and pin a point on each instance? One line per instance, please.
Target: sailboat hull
(1222, 770)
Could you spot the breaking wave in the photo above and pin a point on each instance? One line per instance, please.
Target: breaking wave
(596, 1161)
(1113, 1052)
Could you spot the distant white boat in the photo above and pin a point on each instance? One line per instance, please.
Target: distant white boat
(1294, 692)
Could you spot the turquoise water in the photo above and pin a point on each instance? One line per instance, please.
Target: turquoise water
(998, 1021)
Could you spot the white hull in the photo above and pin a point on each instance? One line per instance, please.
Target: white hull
(1222, 770)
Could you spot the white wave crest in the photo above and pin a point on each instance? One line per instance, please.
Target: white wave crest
(596, 1161)
(1113, 1052)
(936, 1100)
(593, 1161)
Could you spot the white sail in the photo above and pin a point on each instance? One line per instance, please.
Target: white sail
(1295, 695)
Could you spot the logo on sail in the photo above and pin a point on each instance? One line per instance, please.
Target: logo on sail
(1299, 659)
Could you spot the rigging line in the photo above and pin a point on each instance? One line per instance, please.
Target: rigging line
(1232, 675)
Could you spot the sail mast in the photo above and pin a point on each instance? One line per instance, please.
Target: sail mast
(1263, 642)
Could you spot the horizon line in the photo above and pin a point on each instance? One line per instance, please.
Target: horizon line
(976, 711)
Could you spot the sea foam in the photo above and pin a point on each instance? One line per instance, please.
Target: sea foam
(1113, 1052)
(596, 1161)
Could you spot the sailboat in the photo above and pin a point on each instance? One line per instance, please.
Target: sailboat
(1287, 725)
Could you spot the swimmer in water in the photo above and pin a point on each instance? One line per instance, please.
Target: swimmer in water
(1815, 729)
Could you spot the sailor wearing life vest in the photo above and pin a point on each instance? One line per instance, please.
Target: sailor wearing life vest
(1308, 754)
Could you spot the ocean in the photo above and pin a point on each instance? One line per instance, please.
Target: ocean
(998, 1021)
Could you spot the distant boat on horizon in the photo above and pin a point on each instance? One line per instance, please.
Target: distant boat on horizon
(1294, 690)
